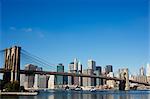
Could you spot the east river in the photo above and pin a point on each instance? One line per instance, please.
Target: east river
(85, 95)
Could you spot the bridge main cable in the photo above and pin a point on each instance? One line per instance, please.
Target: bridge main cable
(2, 51)
(39, 60)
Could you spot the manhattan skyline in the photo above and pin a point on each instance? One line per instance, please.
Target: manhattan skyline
(109, 32)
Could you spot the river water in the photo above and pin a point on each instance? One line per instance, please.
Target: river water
(86, 95)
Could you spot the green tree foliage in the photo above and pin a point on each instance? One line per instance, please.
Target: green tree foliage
(1, 84)
(12, 86)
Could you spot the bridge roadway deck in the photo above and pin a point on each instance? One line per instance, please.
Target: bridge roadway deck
(72, 74)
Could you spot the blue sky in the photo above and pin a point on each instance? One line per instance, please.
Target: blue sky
(107, 31)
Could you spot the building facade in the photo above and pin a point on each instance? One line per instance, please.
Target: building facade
(40, 81)
(80, 72)
(29, 79)
(51, 82)
(91, 64)
(87, 81)
(148, 69)
(98, 72)
(142, 71)
(60, 79)
(71, 70)
(109, 68)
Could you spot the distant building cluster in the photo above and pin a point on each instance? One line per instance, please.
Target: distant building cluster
(144, 75)
(38, 81)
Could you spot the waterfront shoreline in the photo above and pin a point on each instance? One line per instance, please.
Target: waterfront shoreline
(19, 93)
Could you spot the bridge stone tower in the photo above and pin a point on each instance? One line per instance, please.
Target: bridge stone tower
(127, 86)
(124, 74)
(12, 64)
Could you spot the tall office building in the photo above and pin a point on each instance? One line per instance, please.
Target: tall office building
(99, 68)
(80, 72)
(148, 69)
(142, 71)
(109, 68)
(22, 79)
(65, 80)
(60, 67)
(76, 79)
(79, 67)
(148, 72)
(75, 65)
(60, 79)
(71, 67)
(71, 70)
(141, 78)
(51, 82)
(37, 79)
(97, 72)
(40, 81)
(103, 81)
(29, 79)
(91, 64)
(87, 81)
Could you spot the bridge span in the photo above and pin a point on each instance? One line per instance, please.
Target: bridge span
(30, 72)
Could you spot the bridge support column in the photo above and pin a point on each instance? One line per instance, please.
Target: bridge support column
(12, 64)
(122, 85)
(124, 74)
(127, 86)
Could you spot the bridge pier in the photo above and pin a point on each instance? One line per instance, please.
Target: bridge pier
(127, 86)
(122, 85)
(6, 77)
(124, 74)
(12, 64)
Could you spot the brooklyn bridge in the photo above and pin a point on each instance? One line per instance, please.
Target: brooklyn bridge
(11, 69)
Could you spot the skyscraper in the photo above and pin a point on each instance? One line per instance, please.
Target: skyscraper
(75, 65)
(29, 79)
(76, 79)
(71, 70)
(71, 67)
(79, 67)
(51, 82)
(148, 70)
(22, 79)
(142, 71)
(65, 80)
(80, 72)
(87, 81)
(60, 79)
(109, 68)
(91, 64)
(98, 72)
(39, 80)
(99, 68)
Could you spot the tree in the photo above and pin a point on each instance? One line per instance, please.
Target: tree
(12, 86)
(1, 84)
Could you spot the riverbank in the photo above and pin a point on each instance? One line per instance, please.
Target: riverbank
(19, 93)
(56, 94)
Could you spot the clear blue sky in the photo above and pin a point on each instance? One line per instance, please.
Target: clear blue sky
(107, 31)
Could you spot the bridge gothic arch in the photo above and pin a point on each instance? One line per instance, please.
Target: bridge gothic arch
(12, 64)
(124, 74)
